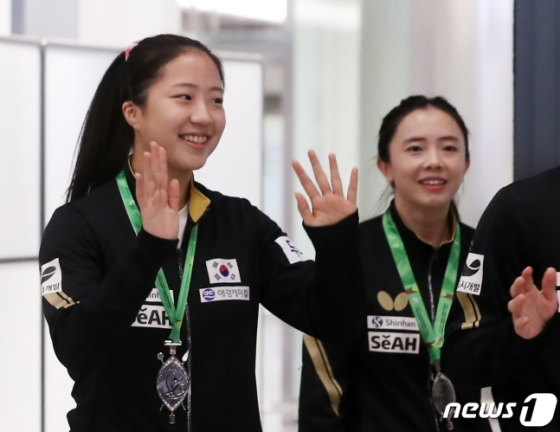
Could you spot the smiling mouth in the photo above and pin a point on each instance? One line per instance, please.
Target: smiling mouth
(199, 139)
(433, 182)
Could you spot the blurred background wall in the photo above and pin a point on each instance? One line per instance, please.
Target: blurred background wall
(330, 70)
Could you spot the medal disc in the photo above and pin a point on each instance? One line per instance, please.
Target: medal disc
(443, 392)
(172, 383)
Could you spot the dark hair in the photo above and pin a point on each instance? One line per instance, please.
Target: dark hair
(106, 138)
(393, 119)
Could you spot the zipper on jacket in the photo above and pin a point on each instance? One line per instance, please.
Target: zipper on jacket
(189, 343)
(433, 260)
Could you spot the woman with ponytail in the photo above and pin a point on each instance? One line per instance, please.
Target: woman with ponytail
(152, 283)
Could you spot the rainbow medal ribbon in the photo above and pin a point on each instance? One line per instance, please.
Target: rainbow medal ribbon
(173, 381)
(432, 334)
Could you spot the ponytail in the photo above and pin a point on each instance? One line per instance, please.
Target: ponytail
(106, 138)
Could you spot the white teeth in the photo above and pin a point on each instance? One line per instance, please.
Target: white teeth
(195, 138)
(432, 182)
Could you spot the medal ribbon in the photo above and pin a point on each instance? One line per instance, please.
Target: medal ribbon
(432, 335)
(175, 314)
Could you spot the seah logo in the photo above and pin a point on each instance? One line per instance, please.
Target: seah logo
(393, 342)
(537, 410)
(293, 254)
(153, 316)
(223, 271)
(51, 277)
(471, 276)
(377, 322)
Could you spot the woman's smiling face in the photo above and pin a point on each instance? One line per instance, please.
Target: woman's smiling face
(183, 112)
(427, 159)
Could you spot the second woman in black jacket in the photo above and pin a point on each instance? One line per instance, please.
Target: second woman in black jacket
(412, 256)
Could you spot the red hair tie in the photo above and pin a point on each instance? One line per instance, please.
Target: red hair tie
(130, 48)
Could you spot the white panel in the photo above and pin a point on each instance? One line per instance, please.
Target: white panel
(72, 75)
(5, 17)
(235, 167)
(58, 389)
(20, 348)
(19, 149)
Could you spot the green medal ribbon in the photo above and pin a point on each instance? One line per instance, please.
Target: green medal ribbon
(432, 335)
(175, 314)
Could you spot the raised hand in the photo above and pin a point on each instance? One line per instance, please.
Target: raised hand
(158, 198)
(530, 307)
(328, 206)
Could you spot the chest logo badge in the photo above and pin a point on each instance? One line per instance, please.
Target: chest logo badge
(387, 302)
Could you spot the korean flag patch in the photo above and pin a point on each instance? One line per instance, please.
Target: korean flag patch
(293, 254)
(222, 270)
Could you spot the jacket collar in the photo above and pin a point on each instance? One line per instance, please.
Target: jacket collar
(407, 233)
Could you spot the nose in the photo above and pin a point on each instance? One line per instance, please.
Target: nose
(433, 158)
(200, 113)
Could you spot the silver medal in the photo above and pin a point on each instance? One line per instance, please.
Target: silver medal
(443, 394)
(172, 381)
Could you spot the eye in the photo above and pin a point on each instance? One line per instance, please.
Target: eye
(219, 101)
(414, 148)
(184, 97)
(450, 148)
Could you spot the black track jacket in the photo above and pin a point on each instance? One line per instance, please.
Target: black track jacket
(107, 322)
(382, 381)
(520, 228)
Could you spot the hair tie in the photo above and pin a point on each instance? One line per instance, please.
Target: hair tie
(130, 48)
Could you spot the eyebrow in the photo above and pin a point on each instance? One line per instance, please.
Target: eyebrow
(420, 138)
(189, 85)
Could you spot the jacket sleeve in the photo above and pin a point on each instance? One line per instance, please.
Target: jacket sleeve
(479, 323)
(92, 308)
(324, 298)
(324, 382)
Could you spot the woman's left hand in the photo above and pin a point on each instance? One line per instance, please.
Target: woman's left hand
(328, 206)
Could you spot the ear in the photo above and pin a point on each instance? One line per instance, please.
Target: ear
(132, 113)
(467, 165)
(386, 169)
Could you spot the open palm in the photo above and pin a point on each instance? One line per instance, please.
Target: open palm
(158, 198)
(530, 307)
(328, 204)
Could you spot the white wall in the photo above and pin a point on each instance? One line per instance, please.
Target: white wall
(72, 75)
(118, 23)
(460, 49)
(20, 348)
(326, 90)
(5, 17)
(19, 150)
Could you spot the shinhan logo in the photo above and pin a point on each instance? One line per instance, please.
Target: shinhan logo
(537, 410)
(377, 322)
